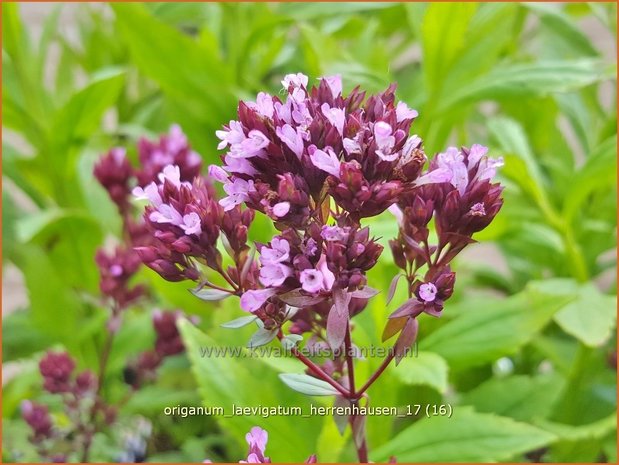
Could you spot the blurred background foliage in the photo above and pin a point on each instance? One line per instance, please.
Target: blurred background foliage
(526, 354)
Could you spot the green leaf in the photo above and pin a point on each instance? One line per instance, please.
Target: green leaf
(246, 382)
(54, 307)
(202, 79)
(526, 79)
(210, 295)
(491, 328)
(82, 114)
(591, 318)
(309, 11)
(153, 399)
(512, 139)
(308, 385)
(424, 369)
(239, 322)
(70, 239)
(595, 430)
(443, 32)
(520, 397)
(599, 172)
(563, 26)
(21, 339)
(467, 436)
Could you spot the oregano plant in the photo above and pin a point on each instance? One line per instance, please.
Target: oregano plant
(319, 163)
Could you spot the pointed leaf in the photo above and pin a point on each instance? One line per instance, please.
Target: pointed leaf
(262, 337)
(406, 339)
(239, 322)
(341, 421)
(210, 295)
(366, 293)
(337, 321)
(393, 327)
(393, 287)
(467, 436)
(309, 385)
(295, 298)
(291, 341)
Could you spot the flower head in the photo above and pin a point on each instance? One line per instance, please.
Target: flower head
(185, 220)
(311, 135)
(114, 173)
(170, 149)
(57, 370)
(116, 269)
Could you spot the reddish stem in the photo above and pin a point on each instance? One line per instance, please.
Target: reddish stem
(317, 370)
(376, 374)
(349, 362)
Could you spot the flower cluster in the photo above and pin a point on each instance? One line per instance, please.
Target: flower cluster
(116, 270)
(257, 440)
(116, 174)
(458, 193)
(318, 162)
(81, 403)
(57, 369)
(186, 220)
(38, 418)
(284, 156)
(119, 177)
(325, 259)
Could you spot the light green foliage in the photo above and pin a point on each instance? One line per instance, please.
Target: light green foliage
(526, 79)
(467, 436)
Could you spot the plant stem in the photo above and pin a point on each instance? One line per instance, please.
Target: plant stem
(362, 449)
(317, 370)
(103, 360)
(349, 362)
(376, 374)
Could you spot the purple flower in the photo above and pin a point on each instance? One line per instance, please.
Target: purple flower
(150, 193)
(326, 161)
(233, 135)
(114, 173)
(301, 143)
(476, 153)
(191, 224)
(404, 113)
(333, 233)
(427, 291)
(166, 214)
(252, 146)
(116, 269)
(171, 173)
(281, 209)
(238, 192)
(171, 149)
(328, 278)
(253, 299)
(263, 105)
(217, 173)
(336, 117)
(277, 253)
(383, 136)
(311, 281)
(257, 438)
(335, 84)
(239, 165)
(294, 80)
(292, 138)
(274, 274)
